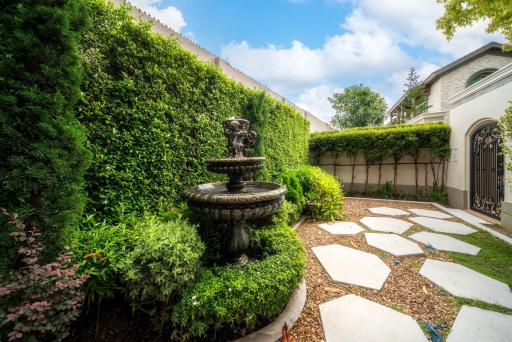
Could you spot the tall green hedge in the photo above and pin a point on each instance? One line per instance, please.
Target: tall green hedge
(42, 145)
(154, 115)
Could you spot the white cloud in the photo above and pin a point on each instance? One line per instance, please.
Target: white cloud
(170, 16)
(413, 23)
(355, 53)
(315, 100)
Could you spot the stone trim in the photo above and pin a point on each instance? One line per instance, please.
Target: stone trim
(290, 314)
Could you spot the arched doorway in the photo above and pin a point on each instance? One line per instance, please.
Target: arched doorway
(487, 182)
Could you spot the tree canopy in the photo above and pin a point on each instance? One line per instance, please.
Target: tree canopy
(358, 106)
(462, 13)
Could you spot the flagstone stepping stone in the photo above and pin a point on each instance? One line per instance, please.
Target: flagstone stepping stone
(445, 243)
(475, 324)
(386, 224)
(464, 282)
(388, 211)
(341, 228)
(392, 243)
(355, 319)
(430, 213)
(442, 226)
(351, 266)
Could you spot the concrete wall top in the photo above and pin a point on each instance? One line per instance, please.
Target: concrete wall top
(316, 124)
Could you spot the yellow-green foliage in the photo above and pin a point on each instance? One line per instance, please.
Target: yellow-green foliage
(318, 187)
(154, 115)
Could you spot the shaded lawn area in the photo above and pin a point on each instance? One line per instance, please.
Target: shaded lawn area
(494, 260)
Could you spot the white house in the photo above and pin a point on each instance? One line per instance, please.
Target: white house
(471, 94)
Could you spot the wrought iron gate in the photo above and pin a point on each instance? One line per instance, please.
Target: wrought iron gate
(487, 182)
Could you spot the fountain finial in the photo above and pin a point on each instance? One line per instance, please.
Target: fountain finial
(240, 139)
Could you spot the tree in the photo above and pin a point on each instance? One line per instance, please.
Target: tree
(42, 145)
(357, 106)
(462, 13)
(416, 96)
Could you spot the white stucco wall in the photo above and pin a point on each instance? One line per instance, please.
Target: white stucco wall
(455, 80)
(464, 120)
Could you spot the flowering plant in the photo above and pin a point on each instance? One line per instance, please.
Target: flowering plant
(40, 300)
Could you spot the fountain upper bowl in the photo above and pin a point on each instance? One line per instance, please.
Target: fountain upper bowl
(234, 165)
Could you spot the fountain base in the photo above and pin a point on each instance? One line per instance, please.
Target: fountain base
(236, 244)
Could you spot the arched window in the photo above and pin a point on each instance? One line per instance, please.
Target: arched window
(478, 76)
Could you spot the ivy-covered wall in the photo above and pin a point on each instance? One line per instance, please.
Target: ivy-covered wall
(154, 115)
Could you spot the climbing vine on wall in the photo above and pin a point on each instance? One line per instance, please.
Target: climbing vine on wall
(395, 142)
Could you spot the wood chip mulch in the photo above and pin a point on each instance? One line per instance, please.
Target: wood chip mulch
(405, 289)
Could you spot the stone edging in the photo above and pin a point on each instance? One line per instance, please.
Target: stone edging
(273, 331)
(299, 222)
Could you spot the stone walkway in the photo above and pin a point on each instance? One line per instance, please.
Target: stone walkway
(354, 318)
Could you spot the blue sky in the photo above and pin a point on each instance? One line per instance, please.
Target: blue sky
(308, 49)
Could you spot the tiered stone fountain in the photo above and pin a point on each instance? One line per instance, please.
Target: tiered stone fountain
(237, 200)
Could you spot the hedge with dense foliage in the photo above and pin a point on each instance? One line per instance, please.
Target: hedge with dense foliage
(230, 301)
(154, 115)
(382, 142)
(42, 145)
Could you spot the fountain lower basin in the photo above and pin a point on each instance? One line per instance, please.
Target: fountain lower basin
(256, 200)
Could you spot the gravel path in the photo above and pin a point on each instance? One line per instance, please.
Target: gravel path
(405, 289)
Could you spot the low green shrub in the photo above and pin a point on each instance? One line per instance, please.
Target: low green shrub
(288, 214)
(321, 189)
(230, 301)
(386, 191)
(99, 248)
(295, 192)
(163, 257)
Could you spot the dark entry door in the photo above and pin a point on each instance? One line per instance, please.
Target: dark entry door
(487, 182)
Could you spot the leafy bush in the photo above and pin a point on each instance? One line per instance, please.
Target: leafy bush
(41, 143)
(40, 301)
(320, 189)
(233, 300)
(99, 248)
(295, 192)
(288, 214)
(379, 143)
(154, 115)
(386, 191)
(163, 257)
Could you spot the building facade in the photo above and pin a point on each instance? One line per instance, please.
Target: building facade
(471, 94)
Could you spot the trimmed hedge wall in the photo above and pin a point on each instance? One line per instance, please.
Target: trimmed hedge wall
(154, 115)
(380, 143)
(384, 141)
